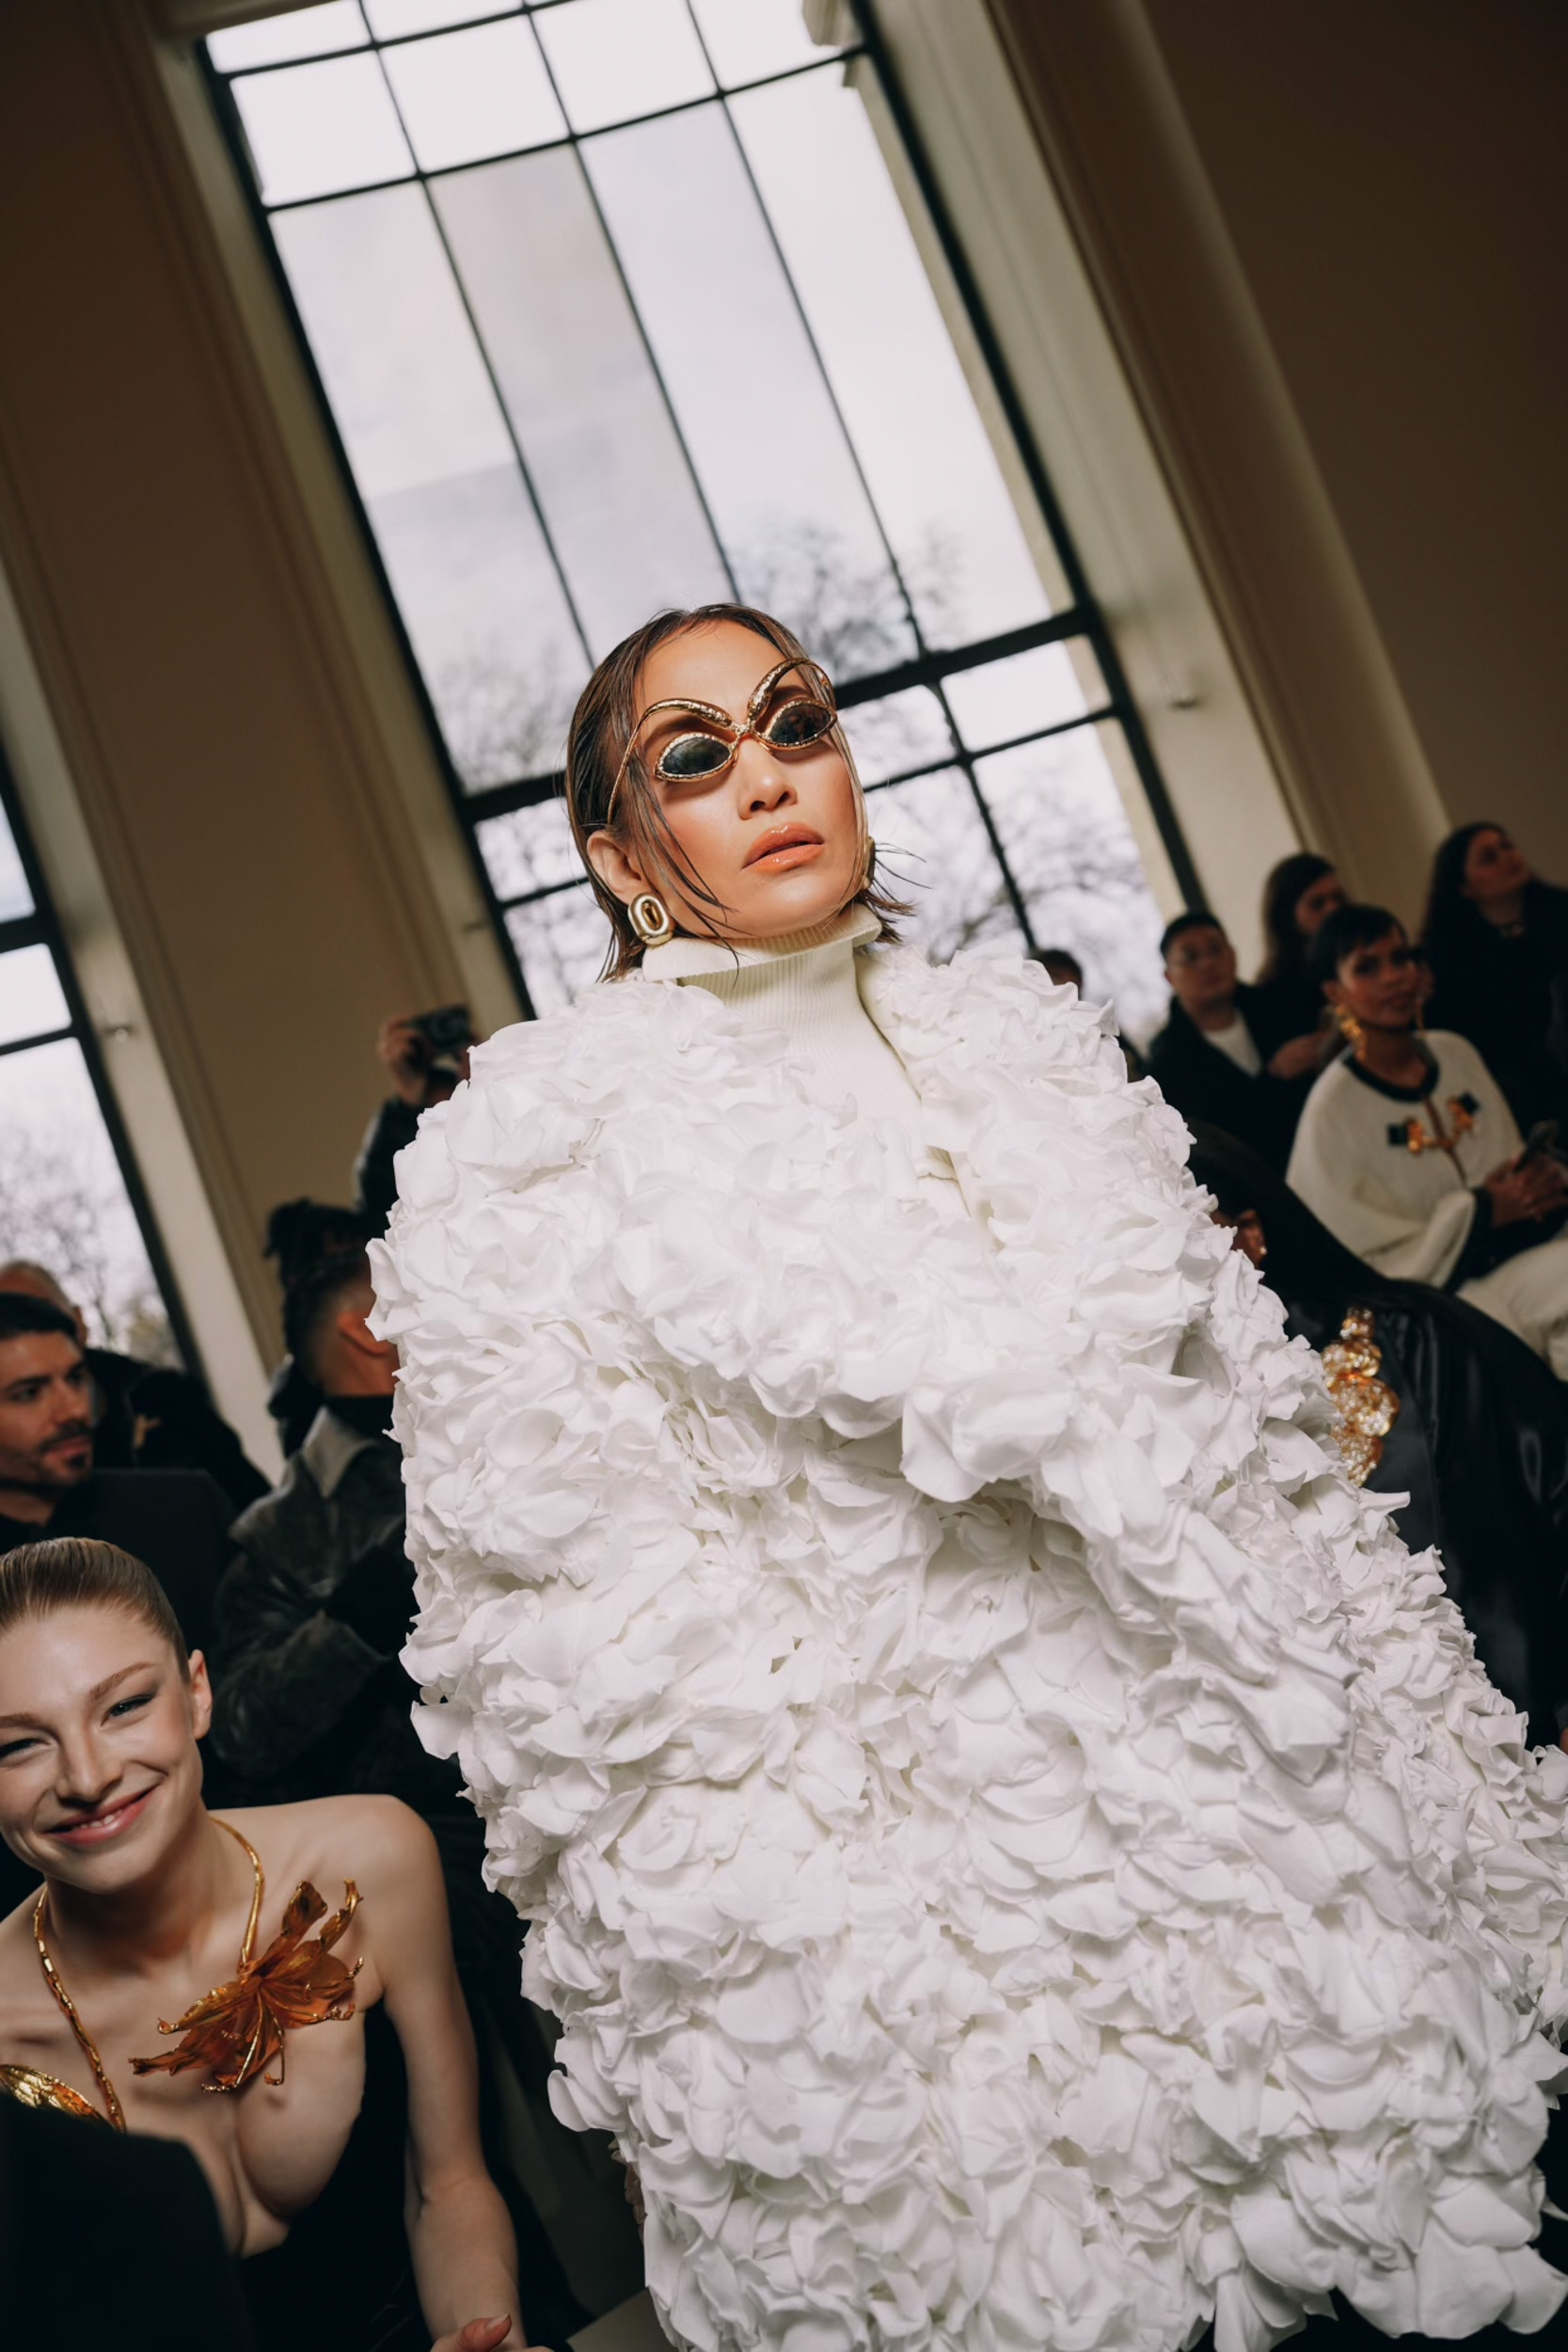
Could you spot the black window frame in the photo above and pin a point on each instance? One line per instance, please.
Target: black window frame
(42, 927)
(1082, 618)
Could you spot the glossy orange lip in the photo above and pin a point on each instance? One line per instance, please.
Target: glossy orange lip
(781, 837)
(100, 1828)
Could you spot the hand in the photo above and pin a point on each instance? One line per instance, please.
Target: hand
(1295, 1057)
(1525, 1190)
(481, 2335)
(406, 1055)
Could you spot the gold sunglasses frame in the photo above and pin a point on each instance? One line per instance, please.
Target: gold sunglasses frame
(761, 695)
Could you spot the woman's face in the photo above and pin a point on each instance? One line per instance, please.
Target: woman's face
(1379, 984)
(1493, 868)
(100, 1771)
(776, 835)
(1321, 900)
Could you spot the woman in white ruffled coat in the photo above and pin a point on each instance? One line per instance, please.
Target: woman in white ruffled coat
(1021, 1855)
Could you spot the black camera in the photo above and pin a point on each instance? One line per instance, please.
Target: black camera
(448, 1033)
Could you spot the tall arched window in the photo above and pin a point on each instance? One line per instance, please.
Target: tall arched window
(617, 304)
(69, 1194)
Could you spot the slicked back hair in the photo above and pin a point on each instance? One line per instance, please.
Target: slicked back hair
(1346, 929)
(77, 1572)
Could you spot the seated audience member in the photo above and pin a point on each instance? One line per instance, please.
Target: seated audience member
(147, 1416)
(1061, 965)
(1287, 1010)
(1409, 1154)
(160, 2278)
(300, 1234)
(150, 1901)
(1477, 1451)
(1497, 942)
(1206, 1060)
(316, 1606)
(311, 1699)
(424, 1070)
(177, 1520)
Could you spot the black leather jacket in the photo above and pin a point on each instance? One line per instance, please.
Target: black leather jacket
(1480, 1445)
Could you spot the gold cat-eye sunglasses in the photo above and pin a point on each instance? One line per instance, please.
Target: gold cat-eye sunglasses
(704, 752)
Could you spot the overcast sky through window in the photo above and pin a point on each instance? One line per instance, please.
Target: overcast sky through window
(617, 305)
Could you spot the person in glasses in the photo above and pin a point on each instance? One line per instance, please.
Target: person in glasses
(1020, 1851)
(1207, 1060)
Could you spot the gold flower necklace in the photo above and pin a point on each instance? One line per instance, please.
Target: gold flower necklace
(236, 2030)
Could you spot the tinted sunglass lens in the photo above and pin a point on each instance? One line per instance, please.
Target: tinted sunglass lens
(690, 757)
(797, 724)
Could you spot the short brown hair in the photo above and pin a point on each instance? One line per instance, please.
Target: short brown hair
(601, 728)
(77, 1572)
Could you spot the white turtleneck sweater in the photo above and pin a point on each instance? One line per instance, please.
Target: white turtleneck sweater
(805, 984)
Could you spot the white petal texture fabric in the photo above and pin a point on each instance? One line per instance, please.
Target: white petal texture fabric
(1022, 1855)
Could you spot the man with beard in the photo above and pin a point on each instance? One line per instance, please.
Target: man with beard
(147, 1416)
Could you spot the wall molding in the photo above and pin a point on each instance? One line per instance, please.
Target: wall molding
(283, 863)
(132, 1063)
(1219, 414)
(1067, 374)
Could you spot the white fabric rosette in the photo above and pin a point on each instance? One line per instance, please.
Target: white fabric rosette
(1021, 1854)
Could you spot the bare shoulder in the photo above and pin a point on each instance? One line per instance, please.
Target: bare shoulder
(375, 1841)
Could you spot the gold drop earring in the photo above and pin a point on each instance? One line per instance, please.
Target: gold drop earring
(1350, 1029)
(650, 919)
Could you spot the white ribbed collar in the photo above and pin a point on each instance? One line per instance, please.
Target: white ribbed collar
(686, 959)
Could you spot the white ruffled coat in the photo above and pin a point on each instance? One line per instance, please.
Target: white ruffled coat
(1022, 1855)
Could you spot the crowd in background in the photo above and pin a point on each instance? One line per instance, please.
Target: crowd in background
(1378, 1120)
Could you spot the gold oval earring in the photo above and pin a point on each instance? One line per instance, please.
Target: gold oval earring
(650, 919)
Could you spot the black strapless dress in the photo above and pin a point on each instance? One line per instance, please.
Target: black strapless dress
(344, 2274)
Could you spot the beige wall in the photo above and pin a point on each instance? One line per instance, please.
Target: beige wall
(1395, 177)
(1332, 240)
(255, 806)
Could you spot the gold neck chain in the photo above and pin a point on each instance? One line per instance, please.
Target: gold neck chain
(51, 1974)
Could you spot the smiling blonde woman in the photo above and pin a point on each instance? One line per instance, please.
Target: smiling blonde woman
(1021, 1854)
(170, 1956)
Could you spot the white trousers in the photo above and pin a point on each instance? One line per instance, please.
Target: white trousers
(1531, 1295)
